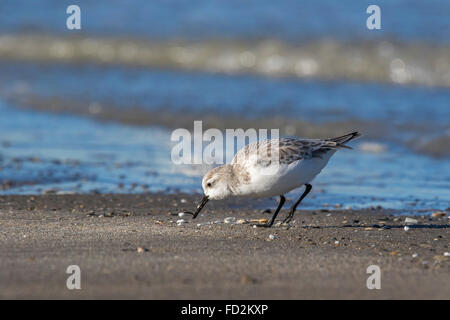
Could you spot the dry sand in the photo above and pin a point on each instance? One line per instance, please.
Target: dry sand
(323, 255)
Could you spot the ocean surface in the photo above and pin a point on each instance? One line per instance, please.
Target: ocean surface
(93, 110)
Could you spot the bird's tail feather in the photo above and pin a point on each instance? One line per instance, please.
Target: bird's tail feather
(340, 141)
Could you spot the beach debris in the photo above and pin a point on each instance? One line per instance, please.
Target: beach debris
(369, 229)
(229, 220)
(272, 236)
(180, 222)
(415, 255)
(406, 228)
(410, 221)
(141, 249)
(394, 253)
(438, 214)
(181, 214)
(241, 221)
(446, 254)
(182, 200)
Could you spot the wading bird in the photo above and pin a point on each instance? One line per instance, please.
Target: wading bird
(254, 173)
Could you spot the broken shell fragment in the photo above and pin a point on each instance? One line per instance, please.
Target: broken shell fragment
(438, 214)
(410, 221)
(229, 220)
(259, 220)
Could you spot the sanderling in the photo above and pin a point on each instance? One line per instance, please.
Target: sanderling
(300, 161)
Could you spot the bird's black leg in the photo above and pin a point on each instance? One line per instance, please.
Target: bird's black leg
(270, 223)
(288, 219)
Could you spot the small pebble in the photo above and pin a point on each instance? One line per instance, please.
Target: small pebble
(202, 224)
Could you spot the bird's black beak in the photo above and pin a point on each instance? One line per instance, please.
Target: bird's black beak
(200, 206)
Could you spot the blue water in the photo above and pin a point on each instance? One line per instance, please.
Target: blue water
(195, 91)
(68, 154)
(78, 155)
(399, 108)
(291, 20)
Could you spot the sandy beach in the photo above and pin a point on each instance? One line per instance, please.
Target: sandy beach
(130, 246)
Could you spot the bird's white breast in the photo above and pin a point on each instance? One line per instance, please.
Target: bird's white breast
(282, 178)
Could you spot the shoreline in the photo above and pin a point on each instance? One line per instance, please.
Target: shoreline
(130, 246)
(139, 116)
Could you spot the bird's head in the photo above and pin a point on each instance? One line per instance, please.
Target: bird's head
(215, 186)
(216, 183)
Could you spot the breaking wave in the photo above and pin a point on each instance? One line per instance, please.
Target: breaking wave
(374, 61)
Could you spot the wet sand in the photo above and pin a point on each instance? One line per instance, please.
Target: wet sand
(130, 246)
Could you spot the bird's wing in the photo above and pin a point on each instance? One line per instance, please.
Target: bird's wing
(289, 150)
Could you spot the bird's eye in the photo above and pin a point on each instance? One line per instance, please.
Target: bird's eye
(209, 184)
